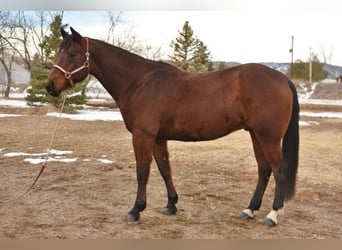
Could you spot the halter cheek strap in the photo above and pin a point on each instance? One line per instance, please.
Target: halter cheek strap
(85, 65)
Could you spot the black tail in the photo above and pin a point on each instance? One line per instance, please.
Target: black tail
(290, 146)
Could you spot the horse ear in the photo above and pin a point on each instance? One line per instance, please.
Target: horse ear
(64, 33)
(75, 33)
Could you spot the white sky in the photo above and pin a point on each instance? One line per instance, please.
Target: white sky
(233, 30)
(232, 35)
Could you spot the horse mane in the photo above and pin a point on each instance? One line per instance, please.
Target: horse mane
(66, 42)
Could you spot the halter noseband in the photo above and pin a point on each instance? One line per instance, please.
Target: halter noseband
(84, 66)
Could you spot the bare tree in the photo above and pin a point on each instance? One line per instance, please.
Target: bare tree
(115, 18)
(128, 40)
(39, 31)
(17, 35)
(327, 53)
(6, 59)
(7, 63)
(21, 36)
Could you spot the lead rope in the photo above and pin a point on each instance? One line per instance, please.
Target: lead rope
(45, 163)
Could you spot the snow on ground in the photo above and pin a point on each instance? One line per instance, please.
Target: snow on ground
(308, 123)
(8, 115)
(36, 161)
(322, 114)
(321, 102)
(92, 115)
(13, 103)
(54, 156)
(105, 161)
(41, 157)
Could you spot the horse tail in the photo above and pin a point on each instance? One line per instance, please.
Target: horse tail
(290, 146)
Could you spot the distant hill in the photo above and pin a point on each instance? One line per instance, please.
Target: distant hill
(333, 70)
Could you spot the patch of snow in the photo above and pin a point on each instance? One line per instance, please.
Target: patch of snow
(16, 154)
(105, 161)
(308, 123)
(38, 158)
(305, 90)
(13, 103)
(18, 95)
(8, 115)
(52, 152)
(322, 114)
(60, 152)
(41, 160)
(91, 115)
(320, 101)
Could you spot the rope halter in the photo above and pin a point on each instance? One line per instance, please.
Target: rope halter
(85, 65)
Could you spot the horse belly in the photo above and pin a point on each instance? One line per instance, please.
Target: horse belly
(198, 128)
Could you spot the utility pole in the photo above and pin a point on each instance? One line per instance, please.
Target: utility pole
(291, 51)
(310, 67)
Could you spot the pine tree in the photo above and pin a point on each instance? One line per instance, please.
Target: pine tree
(183, 47)
(201, 57)
(41, 67)
(190, 53)
(301, 70)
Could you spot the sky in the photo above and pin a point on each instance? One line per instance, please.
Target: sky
(231, 35)
(233, 30)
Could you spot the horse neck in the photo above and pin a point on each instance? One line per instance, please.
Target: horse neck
(116, 68)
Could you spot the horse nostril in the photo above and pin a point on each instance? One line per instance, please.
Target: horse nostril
(49, 87)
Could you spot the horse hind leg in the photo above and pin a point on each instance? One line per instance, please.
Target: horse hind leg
(264, 172)
(161, 156)
(273, 155)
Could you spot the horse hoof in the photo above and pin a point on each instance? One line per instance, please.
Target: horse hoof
(132, 217)
(245, 216)
(170, 211)
(268, 222)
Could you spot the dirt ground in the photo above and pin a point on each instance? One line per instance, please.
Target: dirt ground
(214, 180)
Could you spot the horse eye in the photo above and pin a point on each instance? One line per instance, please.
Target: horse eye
(72, 54)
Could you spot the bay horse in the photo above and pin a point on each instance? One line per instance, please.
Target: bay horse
(160, 102)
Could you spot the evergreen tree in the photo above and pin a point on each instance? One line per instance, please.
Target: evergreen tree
(201, 58)
(183, 47)
(190, 53)
(41, 67)
(301, 70)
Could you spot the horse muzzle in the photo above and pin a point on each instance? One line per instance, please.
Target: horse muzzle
(50, 88)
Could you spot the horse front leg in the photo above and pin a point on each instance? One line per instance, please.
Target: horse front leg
(143, 147)
(161, 156)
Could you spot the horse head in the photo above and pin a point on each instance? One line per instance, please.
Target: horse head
(72, 63)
